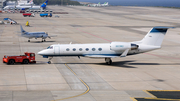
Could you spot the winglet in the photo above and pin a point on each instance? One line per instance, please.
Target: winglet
(124, 54)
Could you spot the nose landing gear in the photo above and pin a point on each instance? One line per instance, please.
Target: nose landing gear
(49, 62)
(108, 61)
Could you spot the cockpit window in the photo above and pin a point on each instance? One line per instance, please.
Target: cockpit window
(50, 47)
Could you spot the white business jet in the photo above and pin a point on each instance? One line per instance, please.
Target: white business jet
(151, 41)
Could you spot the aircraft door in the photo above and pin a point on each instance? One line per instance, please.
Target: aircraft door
(56, 50)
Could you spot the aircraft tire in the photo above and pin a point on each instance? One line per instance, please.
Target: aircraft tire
(28, 40)
(49, 62)
(109, 63)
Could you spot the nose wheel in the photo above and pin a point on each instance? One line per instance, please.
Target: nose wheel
(108, 61)
(49, 62)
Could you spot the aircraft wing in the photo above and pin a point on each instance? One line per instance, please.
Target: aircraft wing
(124, 54)
(101, 56)
(52, 36)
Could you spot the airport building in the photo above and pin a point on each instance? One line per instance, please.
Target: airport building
(2, 3)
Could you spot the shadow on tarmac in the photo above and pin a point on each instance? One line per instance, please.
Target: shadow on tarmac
(40, 41)
(124, 64)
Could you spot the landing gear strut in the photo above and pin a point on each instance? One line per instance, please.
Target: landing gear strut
(108, 61)
(49, 62)
(43, 40)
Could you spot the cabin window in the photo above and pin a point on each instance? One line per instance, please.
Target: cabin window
(67, 49)
(100, 49)
(93, 49)
(80, 49)
(74, 49)
(87, 49)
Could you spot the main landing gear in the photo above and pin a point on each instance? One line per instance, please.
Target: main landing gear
(108, 61)
(49, 62)
(43, 40)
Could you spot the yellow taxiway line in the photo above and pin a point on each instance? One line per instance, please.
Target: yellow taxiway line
(87, 90)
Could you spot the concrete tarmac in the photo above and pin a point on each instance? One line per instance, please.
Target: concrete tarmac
(125, 78)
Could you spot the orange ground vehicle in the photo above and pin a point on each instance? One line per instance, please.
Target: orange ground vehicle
(25, 59)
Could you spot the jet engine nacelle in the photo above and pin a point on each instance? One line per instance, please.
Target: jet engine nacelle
(121, 46)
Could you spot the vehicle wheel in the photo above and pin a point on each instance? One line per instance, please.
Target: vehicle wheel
(25, 61)
(11, 62)
(28, 40)
(49, 62)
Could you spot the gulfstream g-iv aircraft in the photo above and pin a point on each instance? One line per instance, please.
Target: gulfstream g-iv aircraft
(35, 35)
(151, 41)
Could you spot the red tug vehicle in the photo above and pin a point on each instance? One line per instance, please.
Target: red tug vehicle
(25, 59)
(29, 14)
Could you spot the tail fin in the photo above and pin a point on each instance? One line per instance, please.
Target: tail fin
(155, 36)
(44, 4)
(22, 30)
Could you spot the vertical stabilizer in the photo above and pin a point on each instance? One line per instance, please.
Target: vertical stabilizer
(44, 4)
(22, 30)
(155, 36)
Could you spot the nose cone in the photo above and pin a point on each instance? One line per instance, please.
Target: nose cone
(41, 52)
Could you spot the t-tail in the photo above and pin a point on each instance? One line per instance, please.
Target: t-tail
(153, 39)
(155, 36)
(22, 30)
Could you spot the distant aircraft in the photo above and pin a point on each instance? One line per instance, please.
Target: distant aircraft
(105, 4)
(25, 3)
(35, 35)
(99, 5)
(43, 6)
(12, 21)
(151, 41)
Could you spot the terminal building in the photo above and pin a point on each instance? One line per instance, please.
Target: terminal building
(2, 3)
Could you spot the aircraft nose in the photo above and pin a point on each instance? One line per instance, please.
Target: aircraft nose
(40, 53)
